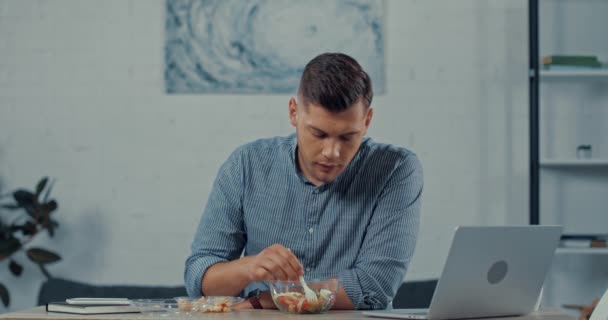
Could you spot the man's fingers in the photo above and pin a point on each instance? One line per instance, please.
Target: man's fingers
(260, 274)
(295, 267)
(289, 262)
(275, 265)
(276, 262)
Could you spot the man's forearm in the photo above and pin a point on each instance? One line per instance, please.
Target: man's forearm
(342, 300)
(226, 278)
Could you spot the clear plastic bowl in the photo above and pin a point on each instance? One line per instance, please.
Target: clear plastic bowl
(289, 296)
(151, 307)
(186, 305)
(174, 311)
(216, 304)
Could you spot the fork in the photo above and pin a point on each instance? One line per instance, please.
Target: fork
(311, 296)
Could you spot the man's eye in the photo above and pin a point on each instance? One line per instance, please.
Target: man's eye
(346, 138)
(319, 135)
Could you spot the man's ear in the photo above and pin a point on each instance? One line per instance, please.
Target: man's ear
(368, 117)
(293, 112)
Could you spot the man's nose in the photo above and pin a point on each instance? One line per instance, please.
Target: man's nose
(331, 149)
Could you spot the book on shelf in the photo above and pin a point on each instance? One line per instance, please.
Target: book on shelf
(65, 307)
(587, 61)
(575, 244)
(584, 241)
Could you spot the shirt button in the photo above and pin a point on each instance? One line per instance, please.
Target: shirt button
(315, 191)
(311, 230)
(307, 269)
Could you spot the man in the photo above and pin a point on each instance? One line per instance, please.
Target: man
(586, 311)
(324, 202)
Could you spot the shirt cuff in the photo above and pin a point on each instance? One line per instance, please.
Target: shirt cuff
(350, 283)
(194, 274)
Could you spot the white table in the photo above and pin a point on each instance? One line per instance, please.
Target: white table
(39, 313)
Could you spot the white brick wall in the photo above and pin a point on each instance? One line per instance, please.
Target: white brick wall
(81, 99)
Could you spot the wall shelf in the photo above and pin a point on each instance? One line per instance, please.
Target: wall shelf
(582, 251)
(568, 112)
(573, 163)
(555, 74)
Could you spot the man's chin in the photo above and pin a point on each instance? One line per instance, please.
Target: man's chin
(324, 178)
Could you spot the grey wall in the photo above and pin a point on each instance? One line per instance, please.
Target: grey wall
(82, 100)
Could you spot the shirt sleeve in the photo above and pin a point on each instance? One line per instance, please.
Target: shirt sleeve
(220, 235)
(390, 239)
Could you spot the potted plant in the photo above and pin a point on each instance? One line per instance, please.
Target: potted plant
(24, 216)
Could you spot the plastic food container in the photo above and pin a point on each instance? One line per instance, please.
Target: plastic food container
(217, 304)
(289, 296)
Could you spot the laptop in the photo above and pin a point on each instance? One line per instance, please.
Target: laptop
(489, 272)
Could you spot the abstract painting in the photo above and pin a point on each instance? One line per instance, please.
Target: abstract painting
(262, 46)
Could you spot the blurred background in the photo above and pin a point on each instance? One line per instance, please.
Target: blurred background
(88, 97)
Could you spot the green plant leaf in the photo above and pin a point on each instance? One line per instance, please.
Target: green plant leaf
(50, 206)
(42, 256)
(28, 228)
(51, 229)
(9, 246)
(11, 206)
(4, 295)
(48, 190)
(30, 209)
(24, 197)
(40, 186)
(16, 268)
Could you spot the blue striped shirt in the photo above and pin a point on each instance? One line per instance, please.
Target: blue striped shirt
(362, 227)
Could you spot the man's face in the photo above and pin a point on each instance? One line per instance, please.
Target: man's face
(327, 141)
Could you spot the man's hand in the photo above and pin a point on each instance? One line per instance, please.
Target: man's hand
(229, 278)
(586, 311)
(274, 263)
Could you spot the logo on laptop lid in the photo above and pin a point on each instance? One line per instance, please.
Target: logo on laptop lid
(497, 272)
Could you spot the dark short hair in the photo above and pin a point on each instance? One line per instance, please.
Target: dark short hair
(335, 81)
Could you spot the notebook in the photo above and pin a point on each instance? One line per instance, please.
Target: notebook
(96, 308)
(489, 272)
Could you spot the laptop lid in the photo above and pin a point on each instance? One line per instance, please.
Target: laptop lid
(490, 271)
(494, 271)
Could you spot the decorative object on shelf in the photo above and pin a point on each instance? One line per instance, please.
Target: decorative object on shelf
(20, 222)
(578, 61)
(583, 151)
